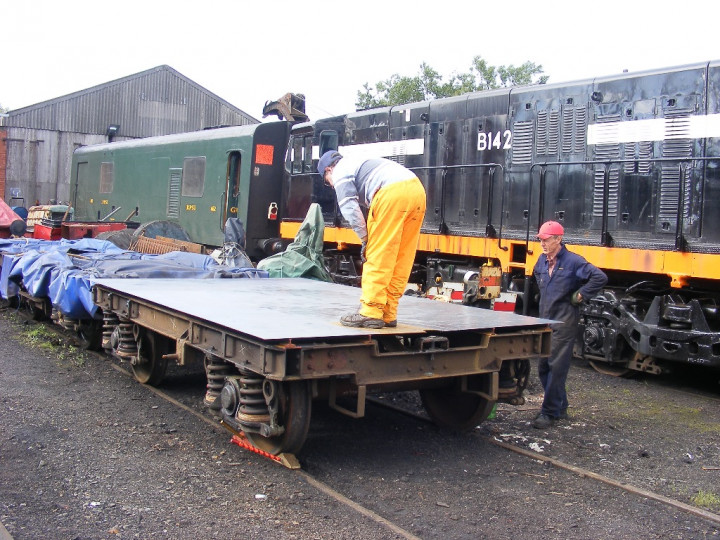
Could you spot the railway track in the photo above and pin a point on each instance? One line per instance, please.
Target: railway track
(312, 481)
(580, 472)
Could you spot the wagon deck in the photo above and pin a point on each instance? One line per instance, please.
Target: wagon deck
(276, 310)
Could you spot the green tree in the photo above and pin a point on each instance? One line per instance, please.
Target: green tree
(3, 109)
(429, 84)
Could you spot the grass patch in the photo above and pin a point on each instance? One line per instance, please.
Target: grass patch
(40, 336)
(706, 499)
(694, 418)
(45, 338)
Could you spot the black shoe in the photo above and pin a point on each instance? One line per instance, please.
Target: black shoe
(543, 421)
(391, 324)
(563, 416)
(355, 319)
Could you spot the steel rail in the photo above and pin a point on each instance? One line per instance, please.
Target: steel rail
(308, 478)
(579, 471)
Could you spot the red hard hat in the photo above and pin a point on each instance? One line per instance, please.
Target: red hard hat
(550, 228)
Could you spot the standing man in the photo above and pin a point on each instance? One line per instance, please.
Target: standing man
(565, 280)
(395, 200)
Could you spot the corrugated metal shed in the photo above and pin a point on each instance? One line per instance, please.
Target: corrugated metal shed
(159, 101)
(36, 142)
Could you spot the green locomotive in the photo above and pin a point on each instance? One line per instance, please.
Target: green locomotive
(196, 180)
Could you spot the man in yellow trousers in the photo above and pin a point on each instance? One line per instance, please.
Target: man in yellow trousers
(395, 199)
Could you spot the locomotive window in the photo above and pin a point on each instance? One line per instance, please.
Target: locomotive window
(328, 141)
(107, 175)
(297, 156)
(233, 179)
(308, 155)
(193, 176)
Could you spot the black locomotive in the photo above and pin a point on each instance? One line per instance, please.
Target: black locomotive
(628, 164)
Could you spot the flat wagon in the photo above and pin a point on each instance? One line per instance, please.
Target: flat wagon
(272, 346)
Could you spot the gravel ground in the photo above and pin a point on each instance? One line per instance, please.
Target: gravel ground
(85, 453)
(640, 431)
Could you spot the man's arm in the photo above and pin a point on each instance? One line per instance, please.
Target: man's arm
(595, 280)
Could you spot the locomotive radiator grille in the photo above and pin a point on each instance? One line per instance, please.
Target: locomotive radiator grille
(580, 130)
(173, 204)
(548, 133)
(606, 152)
(522, 143)
(639, 150)
(671, 177)
(541, 138)
(574, 129)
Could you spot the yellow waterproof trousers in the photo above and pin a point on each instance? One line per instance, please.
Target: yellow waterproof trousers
(394, 220)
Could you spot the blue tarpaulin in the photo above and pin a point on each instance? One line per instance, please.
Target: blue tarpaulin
(64, 271)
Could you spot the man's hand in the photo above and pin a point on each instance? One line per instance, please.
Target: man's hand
(362, 252)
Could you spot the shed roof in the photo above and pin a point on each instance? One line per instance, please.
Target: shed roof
(157, 101)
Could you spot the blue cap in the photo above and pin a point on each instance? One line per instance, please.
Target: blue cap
(328, 159)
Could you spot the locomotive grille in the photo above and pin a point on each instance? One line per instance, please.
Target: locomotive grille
(644, 151)
(541, 139)
(574, 129)
(522, 143)
(173, 205)
(548, 132)
(670, 177)
(606, 152)
(107, 175)
(580, 129)
(567, 129)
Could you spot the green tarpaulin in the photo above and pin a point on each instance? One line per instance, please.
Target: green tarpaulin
(303, 257)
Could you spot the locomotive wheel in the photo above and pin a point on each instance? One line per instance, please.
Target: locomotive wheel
(450, 408)
(614, 370)
(150, 367)
(294, 415)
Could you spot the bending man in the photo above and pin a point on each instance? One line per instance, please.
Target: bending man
(395, 200)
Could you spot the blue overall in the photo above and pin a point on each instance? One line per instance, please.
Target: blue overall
(572, 273)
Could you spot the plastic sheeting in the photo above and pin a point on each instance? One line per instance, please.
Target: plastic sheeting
(304, 256)
(64, 271)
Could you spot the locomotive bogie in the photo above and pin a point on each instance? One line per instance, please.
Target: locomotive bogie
(663, 331)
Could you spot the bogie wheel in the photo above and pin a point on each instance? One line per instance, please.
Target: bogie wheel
(150, 366)
(456, 410)
(614, 370)
(294, 407)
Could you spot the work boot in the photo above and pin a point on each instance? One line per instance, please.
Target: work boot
(355, 319)
(543, 421)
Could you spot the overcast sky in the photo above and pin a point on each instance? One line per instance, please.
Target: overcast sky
(248, 52)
